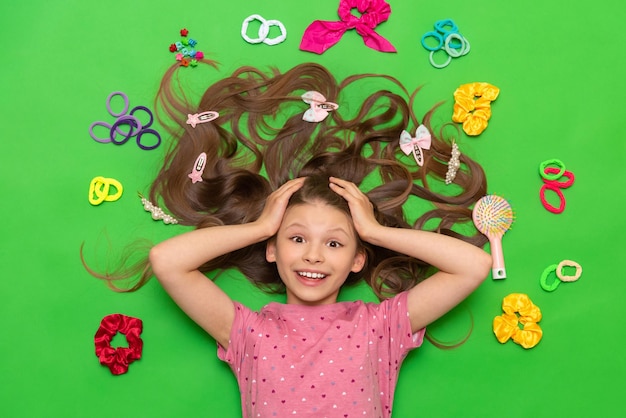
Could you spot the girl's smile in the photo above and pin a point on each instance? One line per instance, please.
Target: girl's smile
(315, 250)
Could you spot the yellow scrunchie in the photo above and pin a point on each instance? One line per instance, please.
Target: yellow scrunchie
(506, 326)
(472, 106)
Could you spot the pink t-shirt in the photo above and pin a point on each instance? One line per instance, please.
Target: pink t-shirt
(339, 360)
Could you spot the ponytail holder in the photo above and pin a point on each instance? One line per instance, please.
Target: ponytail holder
(518, 308)
(99, 190)
(118, 359)
(323, 34)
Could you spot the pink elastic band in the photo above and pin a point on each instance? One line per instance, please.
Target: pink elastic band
(322, 34)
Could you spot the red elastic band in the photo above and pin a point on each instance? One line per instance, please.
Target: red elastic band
(118, 359)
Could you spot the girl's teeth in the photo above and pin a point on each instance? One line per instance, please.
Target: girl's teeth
(310, 275)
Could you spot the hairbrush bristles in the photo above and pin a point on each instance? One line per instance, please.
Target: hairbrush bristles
(493, 216)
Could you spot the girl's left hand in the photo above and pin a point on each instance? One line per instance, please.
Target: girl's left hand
(361, 208)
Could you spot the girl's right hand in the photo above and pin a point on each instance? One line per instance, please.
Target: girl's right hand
(276, 204)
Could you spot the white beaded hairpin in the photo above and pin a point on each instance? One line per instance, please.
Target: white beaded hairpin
(157, 212)
(454, 164)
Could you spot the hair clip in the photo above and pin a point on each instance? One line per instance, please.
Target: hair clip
(417, 144)
(319, 106)
(198, 168)
(202, 117)
(157, 212)
(454, 164)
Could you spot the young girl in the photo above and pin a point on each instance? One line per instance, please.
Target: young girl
(306, 228)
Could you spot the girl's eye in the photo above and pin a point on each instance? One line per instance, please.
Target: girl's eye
(335, 244)
(297, 239)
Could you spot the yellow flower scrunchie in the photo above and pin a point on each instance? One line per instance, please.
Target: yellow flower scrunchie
(506, 326)
(472, 106)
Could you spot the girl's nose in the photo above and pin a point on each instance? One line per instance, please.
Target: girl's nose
(313, 254)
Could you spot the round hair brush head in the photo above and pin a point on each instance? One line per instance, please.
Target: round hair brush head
(493, 216)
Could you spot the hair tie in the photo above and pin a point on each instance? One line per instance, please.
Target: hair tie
(506, 326)
(472, 106)
(264, 30)
(323, 34)
(560, 277)
(100, 187)
(118, 359)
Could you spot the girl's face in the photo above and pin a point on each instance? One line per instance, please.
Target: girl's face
(314, 250)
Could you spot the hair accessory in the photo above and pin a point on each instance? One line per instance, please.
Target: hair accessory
(506, 326)
(198, 168)
(185, 52)
(550, 176)
(417, 144)
(568, 263)
(319, 106)
(264, 31)
(493, 216)
(472, 106)
(118, 359)
(543, 281)
(556, 187)
(448, 39)
(454, 164)
(560, 277)
(135, 126)
(320, 35)
(99, 189)
(157, 212)
(202, 117)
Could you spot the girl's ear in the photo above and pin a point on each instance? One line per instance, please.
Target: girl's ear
(270, 251)
(359, 261)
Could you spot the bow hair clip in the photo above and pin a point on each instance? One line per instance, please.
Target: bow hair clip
(203, 117)
(319, 106)
(417, 144)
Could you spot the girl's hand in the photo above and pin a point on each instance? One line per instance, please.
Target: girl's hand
(361, 208)
(276, 204)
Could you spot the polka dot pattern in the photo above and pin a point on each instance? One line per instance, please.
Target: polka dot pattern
(339, 360)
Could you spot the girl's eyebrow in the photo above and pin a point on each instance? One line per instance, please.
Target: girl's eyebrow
(331, 230)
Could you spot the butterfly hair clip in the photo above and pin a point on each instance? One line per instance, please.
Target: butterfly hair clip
(417, 144)
(319, 106)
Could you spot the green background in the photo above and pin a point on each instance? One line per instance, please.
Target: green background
(560, 67)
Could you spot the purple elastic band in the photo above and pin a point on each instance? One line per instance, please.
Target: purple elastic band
(126, 102)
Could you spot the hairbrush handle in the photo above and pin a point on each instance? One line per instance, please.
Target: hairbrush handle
(498, 271)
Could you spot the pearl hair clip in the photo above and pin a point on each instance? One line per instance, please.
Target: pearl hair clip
(454, 164)
(157, 212)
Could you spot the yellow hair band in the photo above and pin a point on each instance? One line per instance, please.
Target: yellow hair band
(99, 190)
(472, 106)
(506, 325)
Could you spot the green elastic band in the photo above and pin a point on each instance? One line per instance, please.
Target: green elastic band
(544, 279)
(546, 163)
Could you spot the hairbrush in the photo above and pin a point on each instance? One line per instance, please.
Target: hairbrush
(493, 216)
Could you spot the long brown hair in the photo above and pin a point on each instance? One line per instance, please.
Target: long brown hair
(260, 141)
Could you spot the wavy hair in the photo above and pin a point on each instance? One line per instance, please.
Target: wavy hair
(260, 141)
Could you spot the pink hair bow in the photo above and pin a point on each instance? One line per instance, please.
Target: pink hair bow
(322, 34)
(417, 144)
(319, 106)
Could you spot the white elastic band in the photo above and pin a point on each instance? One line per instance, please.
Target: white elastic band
(264, 30)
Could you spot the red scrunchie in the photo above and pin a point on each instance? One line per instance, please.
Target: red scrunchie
(322, 34)
(118, 359)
